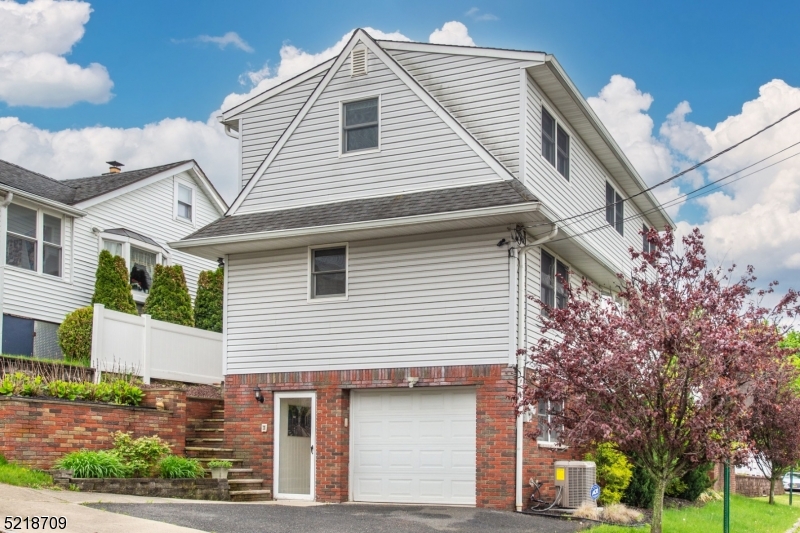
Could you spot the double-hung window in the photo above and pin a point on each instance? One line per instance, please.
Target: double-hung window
(549, 432)
(647, 246)
(185, 202)
(615, 209)
(554, 276)
(329, 272)
(360, 125)
(555, 144)
(29, 232)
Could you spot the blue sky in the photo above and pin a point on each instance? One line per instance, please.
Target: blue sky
(140, 82)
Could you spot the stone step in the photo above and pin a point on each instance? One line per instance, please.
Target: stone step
(251, 495)
(205, 449)
(207, 429)
(244, 482)
(207, 459)
(204, 439)
(218, 411)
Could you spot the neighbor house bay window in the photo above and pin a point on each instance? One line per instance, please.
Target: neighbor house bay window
(140, 257)
(30, 231)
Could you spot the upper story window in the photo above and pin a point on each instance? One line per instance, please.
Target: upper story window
(615, 209)
(328, 272)
(184, 202)
(647, 246)
(554, 275)
(34, 238)
(555, 143)
(360, 125)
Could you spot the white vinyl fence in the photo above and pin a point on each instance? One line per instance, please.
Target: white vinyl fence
(154, 349)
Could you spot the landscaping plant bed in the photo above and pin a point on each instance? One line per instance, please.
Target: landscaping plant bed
(188, 489)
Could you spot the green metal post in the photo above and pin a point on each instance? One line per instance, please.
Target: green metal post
(791, 485)
(726, 506)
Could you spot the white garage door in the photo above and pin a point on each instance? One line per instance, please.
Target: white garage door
(414, 446)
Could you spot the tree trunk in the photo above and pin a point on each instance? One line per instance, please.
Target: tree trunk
(772, 491)
(658, 505)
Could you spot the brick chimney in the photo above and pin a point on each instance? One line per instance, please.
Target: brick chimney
(115, 167)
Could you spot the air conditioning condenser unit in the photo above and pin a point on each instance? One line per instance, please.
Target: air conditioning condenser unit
(576, 479)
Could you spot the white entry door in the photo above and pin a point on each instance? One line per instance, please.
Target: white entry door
(294, 445)
(413, 446)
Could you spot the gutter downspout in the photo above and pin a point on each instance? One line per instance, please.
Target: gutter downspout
(229, 133)
(520, 253)
(3, 218)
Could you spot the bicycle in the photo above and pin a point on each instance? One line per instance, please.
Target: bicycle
(538, 503)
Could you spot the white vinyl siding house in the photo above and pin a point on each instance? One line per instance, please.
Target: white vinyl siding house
(434, 301)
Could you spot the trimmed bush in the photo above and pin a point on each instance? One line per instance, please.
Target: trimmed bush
(173, 466)
(75, 335)
(169, 298)
(112, 286)
(614, 472)
(691, 485)
(88, 464)
(141, 455)
(208, 301)
(641, 490)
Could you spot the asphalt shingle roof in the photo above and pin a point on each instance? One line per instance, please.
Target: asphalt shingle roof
(73, 191)
(387, 207)
(133, 235)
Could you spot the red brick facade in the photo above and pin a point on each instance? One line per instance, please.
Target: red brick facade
(495, 432)
(38, 432)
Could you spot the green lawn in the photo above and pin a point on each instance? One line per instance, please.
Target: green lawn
(12, 474)
(747, 515)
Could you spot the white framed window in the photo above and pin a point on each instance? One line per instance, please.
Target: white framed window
(141, 259)
(34, 240)
(647, 246)
(547, 412)
(327, 272)
(184, 201)
(553, 289)
(615, 209)
(361, 129)
(555, 143)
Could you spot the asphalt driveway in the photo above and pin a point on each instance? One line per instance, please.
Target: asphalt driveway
(345, 518)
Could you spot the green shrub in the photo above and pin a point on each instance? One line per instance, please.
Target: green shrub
(20, 384)
(173, 466)
(124, 393)
(169, 298)
(614, 472)
(67, 390)
(3, 460)
(219, 463)
(691, 485)
(141, 455)
(641, 490)
(75, 335)
(112, 286)
(208, 301)
(87, 464)
(119, 392)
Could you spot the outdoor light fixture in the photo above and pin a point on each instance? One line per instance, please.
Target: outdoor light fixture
(220, 262)
(259, 396)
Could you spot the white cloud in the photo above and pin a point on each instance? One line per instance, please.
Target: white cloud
(452, 32)
(33, 37)
(475, 14)
(223, 41)
(42, 26)
(294, 61)
(75, 153)
(623, 109)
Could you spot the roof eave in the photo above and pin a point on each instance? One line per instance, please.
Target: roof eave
(646, 202)
(53, 204)
(212, 247)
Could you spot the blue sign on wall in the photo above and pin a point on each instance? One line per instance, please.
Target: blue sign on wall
(594, 492)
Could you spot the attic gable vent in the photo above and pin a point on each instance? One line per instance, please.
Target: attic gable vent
(358, 62)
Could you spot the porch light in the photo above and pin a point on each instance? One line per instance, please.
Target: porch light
(259, 396)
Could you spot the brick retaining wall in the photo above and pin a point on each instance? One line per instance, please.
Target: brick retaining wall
(37, 432)
(495, 431)
(755, 486)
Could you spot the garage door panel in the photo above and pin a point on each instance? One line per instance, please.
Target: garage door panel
(414, 446)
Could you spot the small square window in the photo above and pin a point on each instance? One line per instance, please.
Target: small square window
(185, 202)
(329, 272)
(615, 209)
(360, 129)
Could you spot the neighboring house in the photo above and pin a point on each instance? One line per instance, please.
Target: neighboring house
(398, 204)
(51, 232)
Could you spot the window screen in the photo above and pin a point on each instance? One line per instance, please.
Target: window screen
(548, 137)
(21, 237)
(51, 251)
(184, 202)
(360, 125)
(615, 209)
(553, 289)
(329, 272)
(562, 164)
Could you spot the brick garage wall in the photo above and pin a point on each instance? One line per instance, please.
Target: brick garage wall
(496, 429)
(38, 432)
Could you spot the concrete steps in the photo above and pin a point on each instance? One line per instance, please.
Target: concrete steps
(203, 440)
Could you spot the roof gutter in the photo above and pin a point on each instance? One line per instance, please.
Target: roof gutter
(58, 206)
(525, 207)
